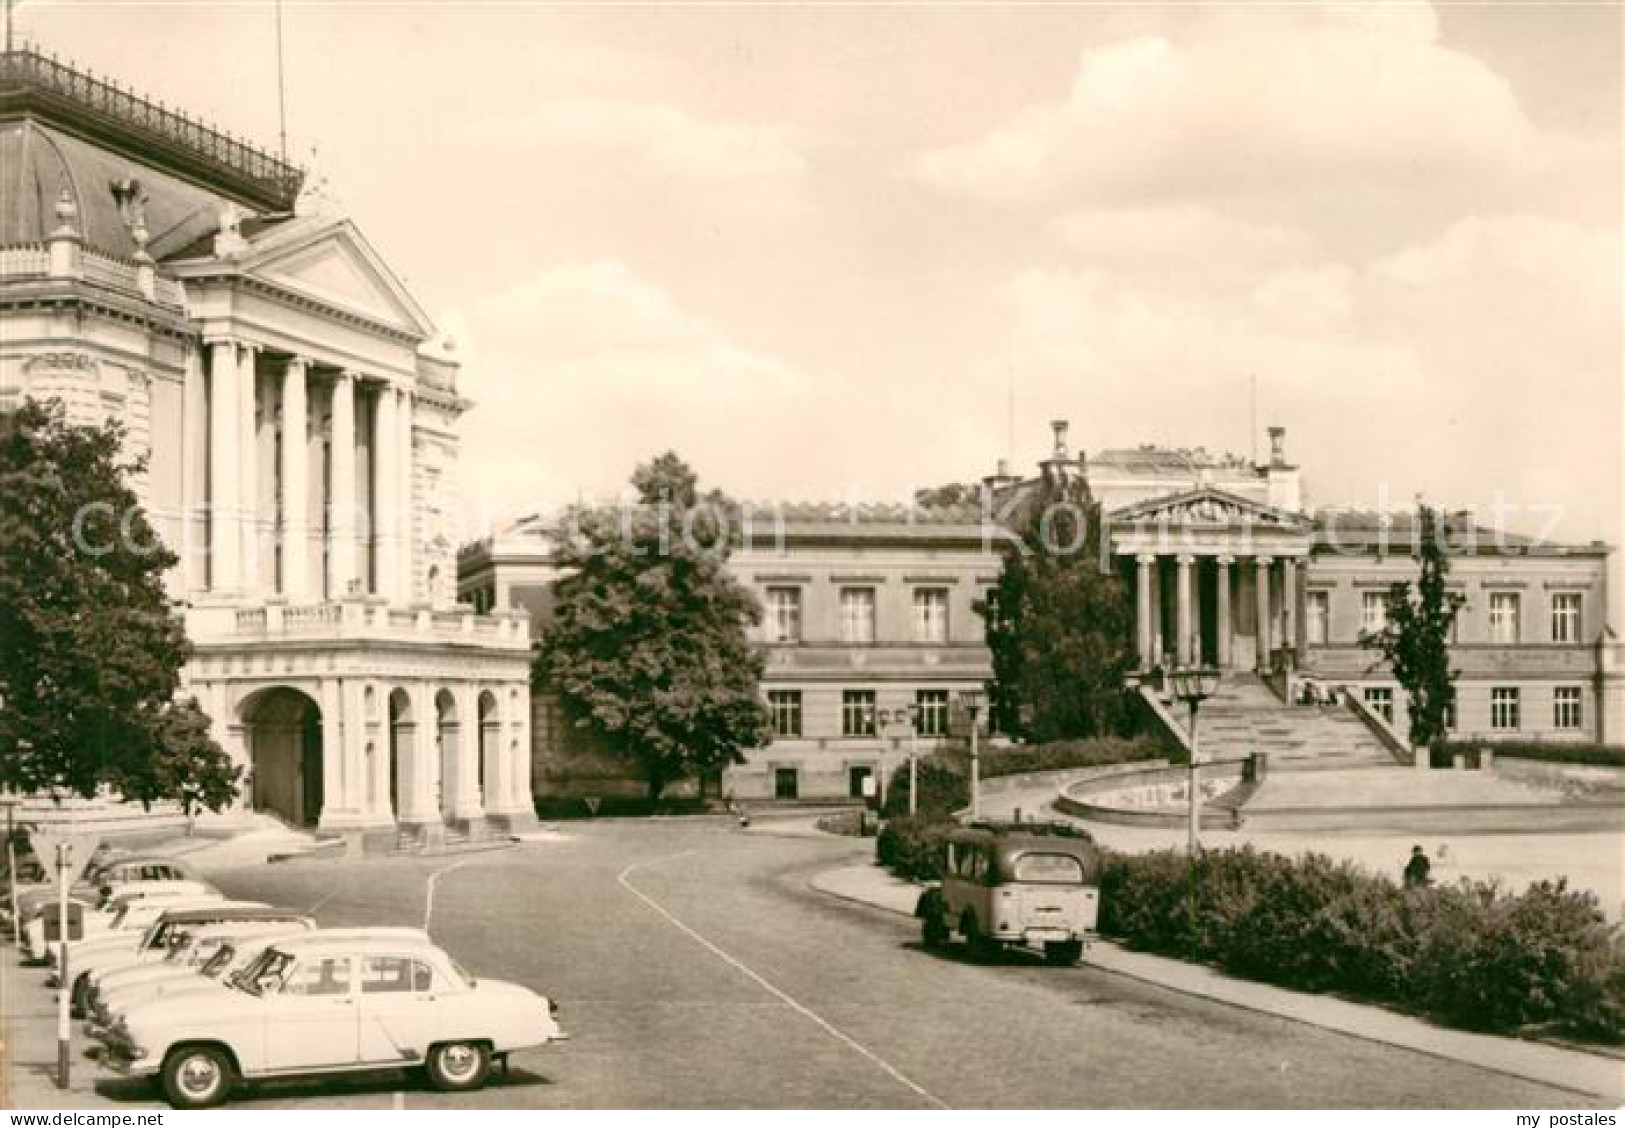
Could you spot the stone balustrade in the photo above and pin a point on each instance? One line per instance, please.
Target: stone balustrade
(355, 618)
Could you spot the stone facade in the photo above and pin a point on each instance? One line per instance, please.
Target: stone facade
(299, 424)
(871, 631)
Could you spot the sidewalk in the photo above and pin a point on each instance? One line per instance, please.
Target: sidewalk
(1595, 1074)
(28, 1051)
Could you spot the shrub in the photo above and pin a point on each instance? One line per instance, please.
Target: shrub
(944, 788)
(1016, 759)
(913, 847)
(1472, 955)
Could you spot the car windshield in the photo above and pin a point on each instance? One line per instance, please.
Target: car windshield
(458, 968)
(265, 974)
(218, 962)
(1049, 869)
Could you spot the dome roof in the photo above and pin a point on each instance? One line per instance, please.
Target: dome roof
(37, 162)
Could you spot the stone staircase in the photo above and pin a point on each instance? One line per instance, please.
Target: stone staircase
(1244, 716)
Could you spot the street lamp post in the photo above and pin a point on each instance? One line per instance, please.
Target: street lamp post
(11, 868)
(1193, 685)
(970, 700)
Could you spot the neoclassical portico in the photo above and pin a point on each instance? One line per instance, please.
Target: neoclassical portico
(1215, 578)
(338, 670)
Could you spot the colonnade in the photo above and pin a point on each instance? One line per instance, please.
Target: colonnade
(1271, 583)
(260, 539)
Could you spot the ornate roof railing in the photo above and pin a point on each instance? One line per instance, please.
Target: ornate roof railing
(29, 80)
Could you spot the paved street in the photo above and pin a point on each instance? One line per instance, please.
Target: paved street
(694, 968)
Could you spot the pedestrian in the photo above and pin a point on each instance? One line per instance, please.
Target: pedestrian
(1417, 869)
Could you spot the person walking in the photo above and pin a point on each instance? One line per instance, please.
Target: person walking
(1417, 869)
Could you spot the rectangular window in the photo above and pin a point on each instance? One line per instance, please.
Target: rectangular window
(932, 708)
(1504, 616)
(786, 783)
(930, 614)
(1317, 616)
(858, 614)
(1504, 709)
(1381, 700)
(858, 712)
(1373, 611)
(783, 614)
(1566, 707)
(1566, 616)
(856, 777)
(785, 706)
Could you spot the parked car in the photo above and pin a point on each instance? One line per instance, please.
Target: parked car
(328, 1003)
(40, 934)
(1027, 886)
(127, 927)
(122, 870)
(116, 893)
(201, 963)
(162, 936)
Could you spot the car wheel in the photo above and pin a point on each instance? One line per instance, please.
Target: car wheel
(1064, 954)
(982, 949)
(458, 1065)
(197, 1076)
(934, 931)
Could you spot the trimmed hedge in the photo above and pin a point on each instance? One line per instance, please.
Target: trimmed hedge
(1472, 955)
(945, 775)
(1598, 755)
(555, 807)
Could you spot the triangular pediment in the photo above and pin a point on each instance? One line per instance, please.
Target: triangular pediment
(331, 263)
(1208, 507)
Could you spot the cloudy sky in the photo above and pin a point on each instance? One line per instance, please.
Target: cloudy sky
(838, 251)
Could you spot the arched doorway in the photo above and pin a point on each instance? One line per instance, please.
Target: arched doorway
(402, 734)
(446, 736)
(283, 729)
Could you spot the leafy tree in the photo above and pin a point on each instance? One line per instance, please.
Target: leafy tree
(647, 649)
(1416, 638)
(90, 648)
(1060, 628)
(954, 493)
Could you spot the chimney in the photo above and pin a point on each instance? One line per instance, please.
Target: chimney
(1278, 447)
(1059, 426)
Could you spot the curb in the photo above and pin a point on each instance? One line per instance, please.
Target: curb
(1534, 1077)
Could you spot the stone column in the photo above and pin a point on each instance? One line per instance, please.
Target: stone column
(1142, 617)
(1159, 645)
(335, 800)
(1289, 603)
(295, 481)
(403, 493)
(225, 538)
(1183, 623)
(1263, 617)
(519, 748)
(466, 800)
(194, 473)
(385, 500)
(248, 449)
(1222, 609)
(417, 803)
(355, 750)
(342, 523)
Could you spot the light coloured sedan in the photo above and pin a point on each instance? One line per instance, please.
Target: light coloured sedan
(322, 1004)
(204, 964)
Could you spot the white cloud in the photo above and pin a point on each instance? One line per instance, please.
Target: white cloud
(1320, 101)
(1184, 234)
(1496, 339)
(586, 369)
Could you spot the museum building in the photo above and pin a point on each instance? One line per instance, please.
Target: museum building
(872, 634)
(298, 417)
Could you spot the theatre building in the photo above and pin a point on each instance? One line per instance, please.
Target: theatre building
(299, 423)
